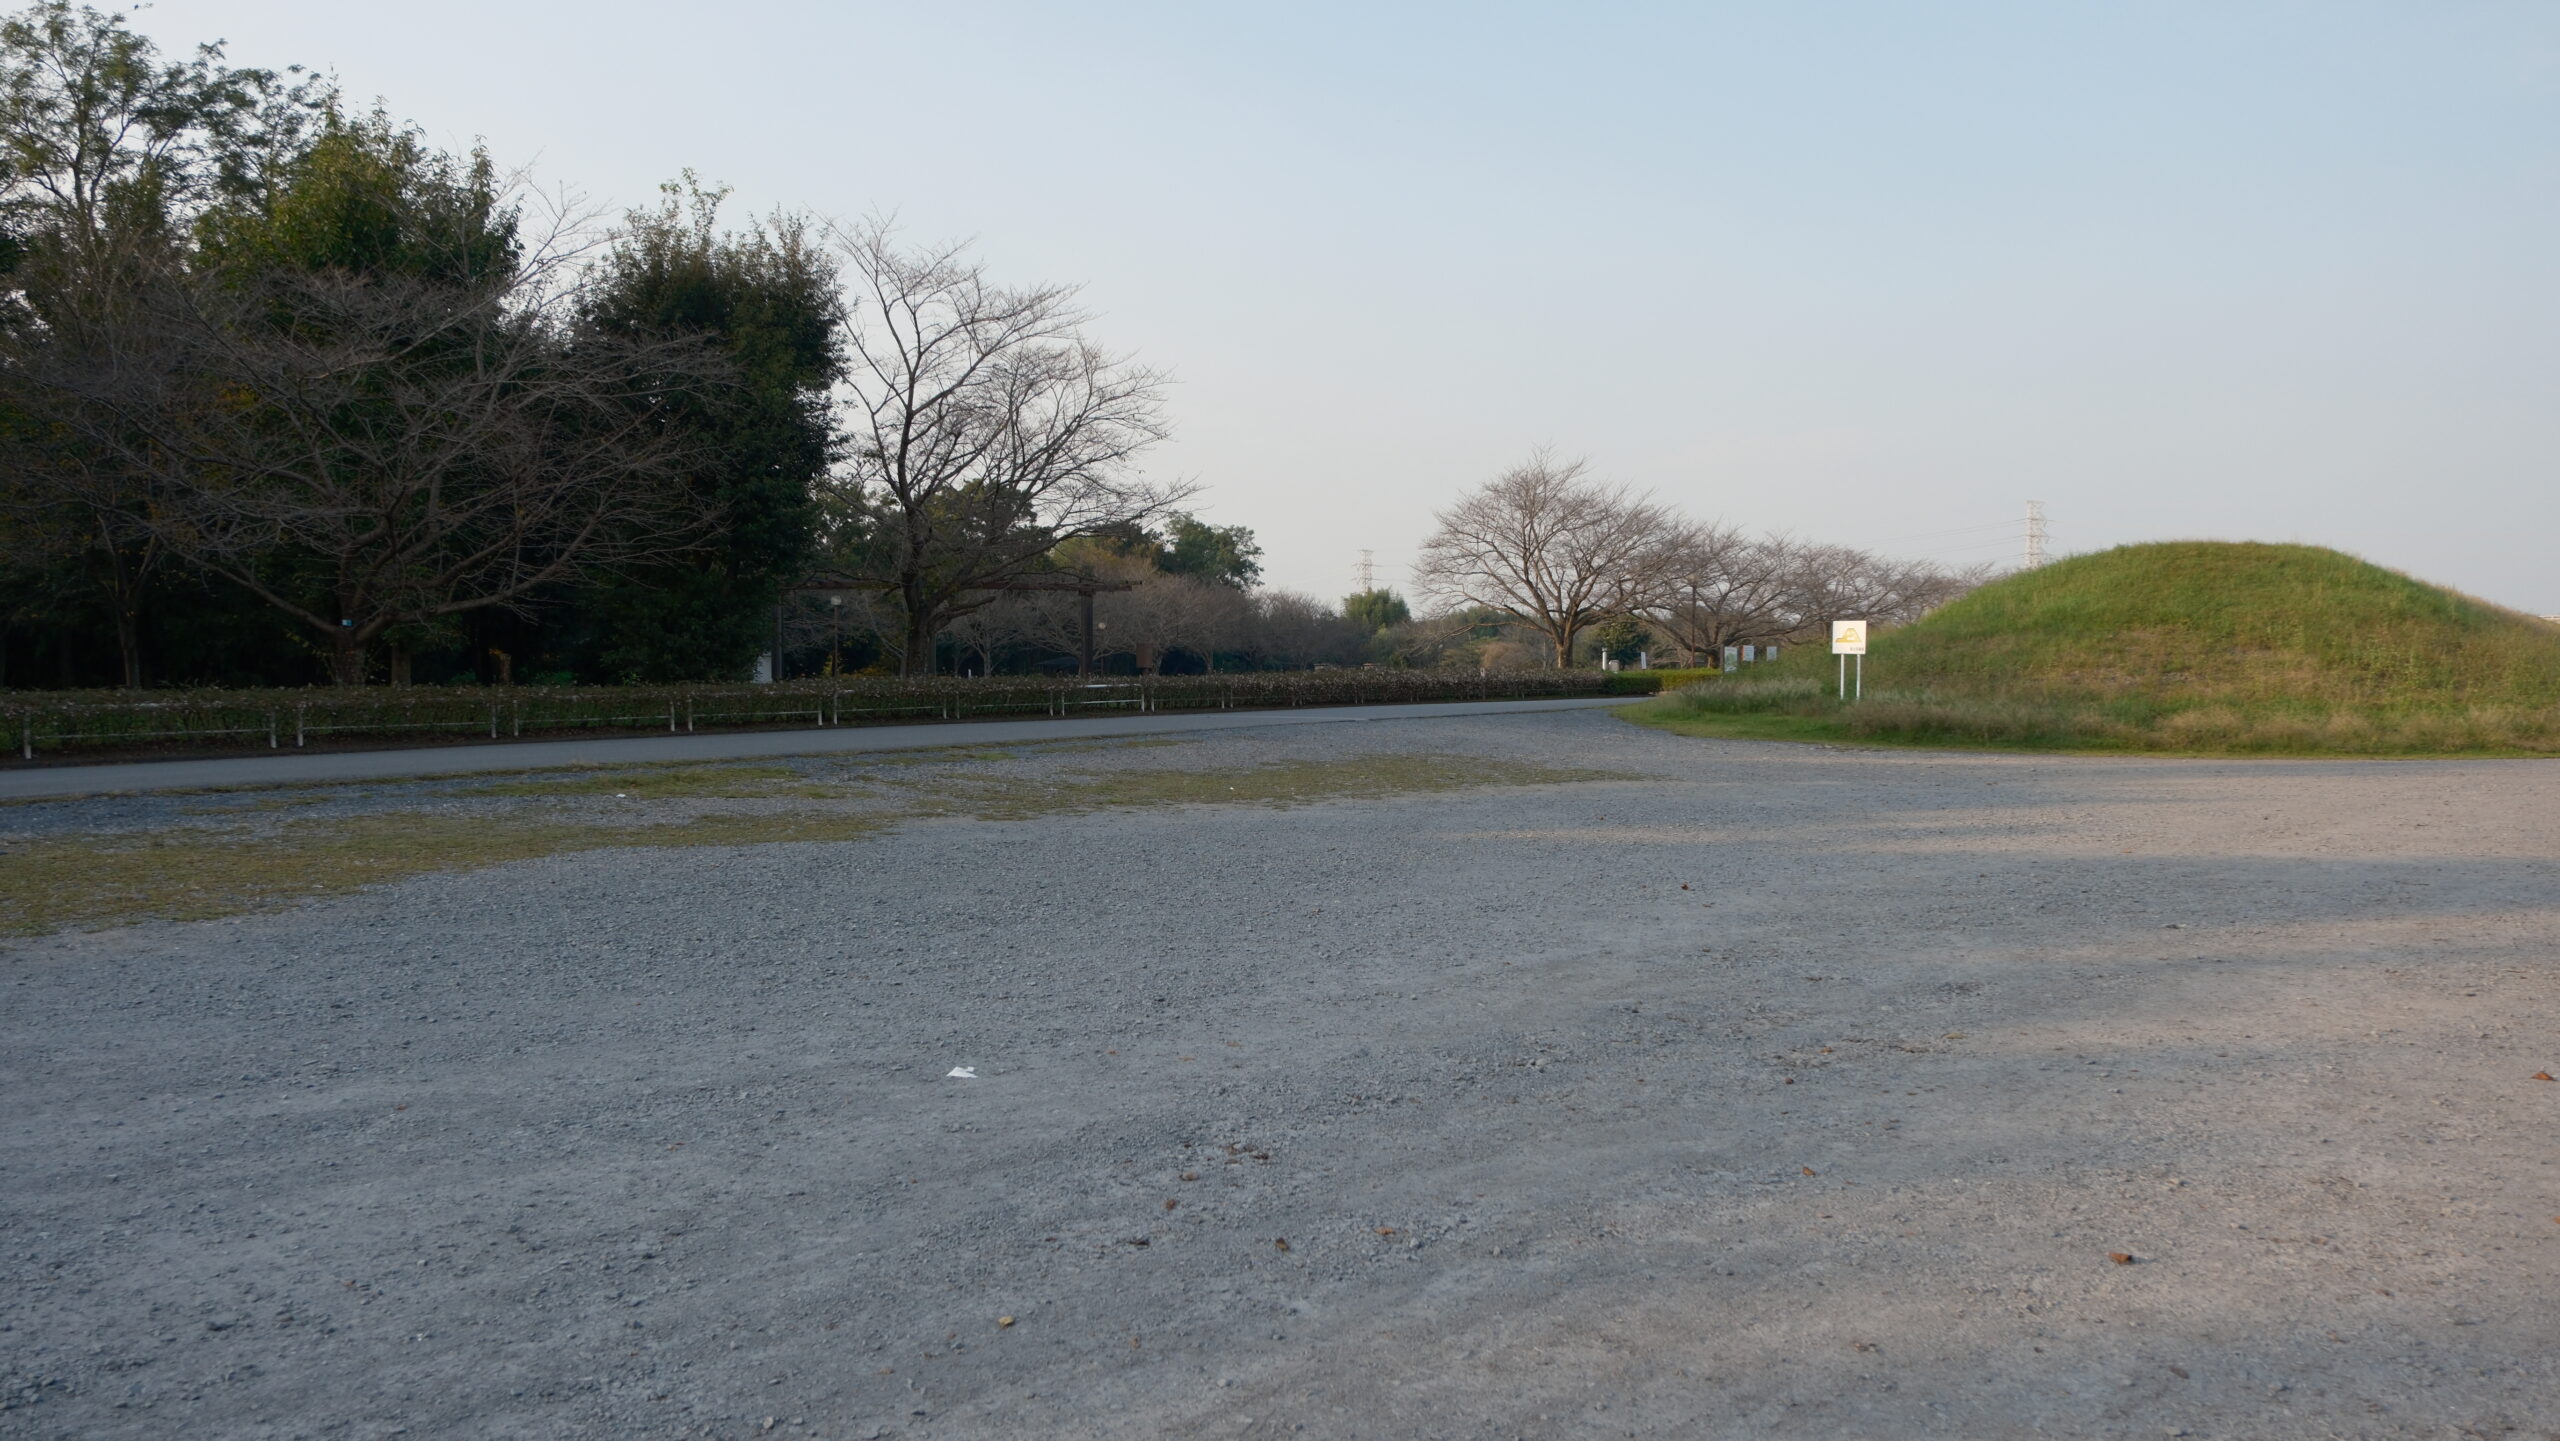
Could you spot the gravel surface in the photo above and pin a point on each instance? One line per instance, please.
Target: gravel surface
(1768, 1092)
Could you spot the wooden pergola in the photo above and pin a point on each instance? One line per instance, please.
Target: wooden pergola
(1086, 587)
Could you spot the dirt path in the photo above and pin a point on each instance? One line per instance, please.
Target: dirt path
(1769, 1092)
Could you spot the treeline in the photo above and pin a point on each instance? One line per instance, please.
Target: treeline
(1571, 567)
(288, 394)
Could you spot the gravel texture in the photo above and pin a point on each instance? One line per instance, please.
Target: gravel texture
(1769, 1092)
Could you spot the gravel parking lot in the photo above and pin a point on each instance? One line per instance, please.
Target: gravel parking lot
(1722, 1090)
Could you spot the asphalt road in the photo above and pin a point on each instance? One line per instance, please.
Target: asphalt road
(289, 767)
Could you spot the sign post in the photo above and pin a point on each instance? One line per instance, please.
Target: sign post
(1849, 638)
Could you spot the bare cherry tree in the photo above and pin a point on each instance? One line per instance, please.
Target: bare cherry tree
(984, 428)
(1824, 583)
(1165, 613)
(1551, 547)
(1722, 587)
(1289, 630)
(1012, 616)
(68, 485)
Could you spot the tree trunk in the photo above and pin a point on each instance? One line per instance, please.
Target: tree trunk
(346, 657)
(399, 665)
(129, 644)
(919, 657)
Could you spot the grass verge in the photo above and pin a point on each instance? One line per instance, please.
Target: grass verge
(1799, 709)
(196, 872)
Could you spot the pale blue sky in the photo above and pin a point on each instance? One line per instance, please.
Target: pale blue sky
(1863, 272)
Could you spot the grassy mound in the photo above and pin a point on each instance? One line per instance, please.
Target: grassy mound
(2191, 646)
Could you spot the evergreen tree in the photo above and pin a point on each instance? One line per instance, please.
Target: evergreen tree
(765, 299)
(1375, 610)
(1221, 554)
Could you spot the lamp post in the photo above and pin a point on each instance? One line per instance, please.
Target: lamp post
(835, 647)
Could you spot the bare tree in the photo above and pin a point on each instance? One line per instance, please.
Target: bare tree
(1010, 617)
(107, 156)
(1721, 587)
(396, 453)
(1289, 630)
(72, 495)
(1824, 583)
(984, 429)
(1552, 548)
(1164, 613)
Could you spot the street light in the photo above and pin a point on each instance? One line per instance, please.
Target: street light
(835, 647)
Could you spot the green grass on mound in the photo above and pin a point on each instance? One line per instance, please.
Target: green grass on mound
(2198, 647)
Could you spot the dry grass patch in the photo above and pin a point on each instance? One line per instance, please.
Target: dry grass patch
(88, 882)
(732, 782)
(195, 872)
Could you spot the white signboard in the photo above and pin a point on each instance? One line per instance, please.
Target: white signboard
(1848, 637)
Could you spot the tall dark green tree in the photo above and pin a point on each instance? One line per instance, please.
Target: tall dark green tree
(1220, 554)
(765, 300)
(1375, 610)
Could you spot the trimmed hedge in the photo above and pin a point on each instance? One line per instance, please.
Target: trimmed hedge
(53, 721)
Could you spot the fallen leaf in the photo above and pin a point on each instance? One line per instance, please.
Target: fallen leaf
(1004, 1320)
(1191, 1175)
(1684, 885)
(1808, 1170)
(1862, 1345)
(403, 1108)
(2121, 1258)
(1952, 1036)
(1386, 1230)
(1170, 1203)
(1281, 1243)
(2538, 1075)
